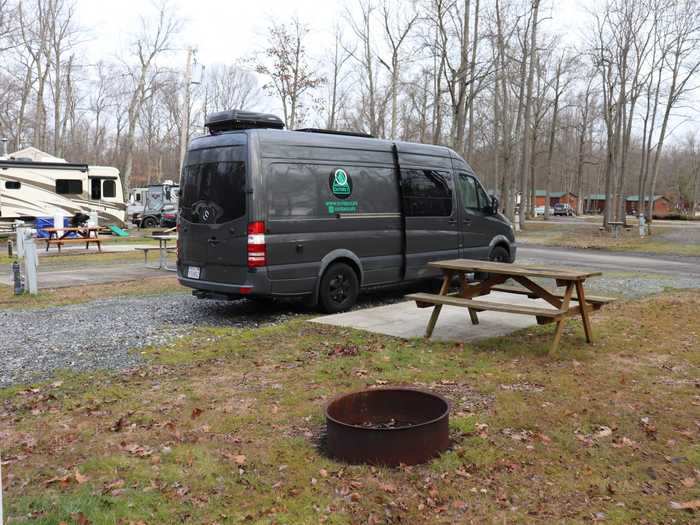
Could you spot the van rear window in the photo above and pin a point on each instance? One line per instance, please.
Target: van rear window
(213, 185)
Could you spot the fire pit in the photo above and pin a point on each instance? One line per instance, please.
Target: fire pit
(387, 426)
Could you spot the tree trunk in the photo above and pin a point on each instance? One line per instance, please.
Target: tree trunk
(527, 110)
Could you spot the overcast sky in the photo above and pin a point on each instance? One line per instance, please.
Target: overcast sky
(225, 31)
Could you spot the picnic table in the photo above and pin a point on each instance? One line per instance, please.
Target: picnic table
(163, 250)
(560, 310)
(60, 236)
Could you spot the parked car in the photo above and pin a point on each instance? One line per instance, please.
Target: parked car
(320, 214)
(564, 209)
(539, 211)
(168, 216)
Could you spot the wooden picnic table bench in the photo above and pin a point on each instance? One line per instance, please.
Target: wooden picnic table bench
(87, 234)
(561, 304)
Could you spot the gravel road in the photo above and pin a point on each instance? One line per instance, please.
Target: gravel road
(99, 334)
(103, 334)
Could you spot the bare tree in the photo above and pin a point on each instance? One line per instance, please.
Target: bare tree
(289, 69)
(154, 40)
(396, 37)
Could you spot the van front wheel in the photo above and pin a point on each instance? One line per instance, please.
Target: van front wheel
(339, 288)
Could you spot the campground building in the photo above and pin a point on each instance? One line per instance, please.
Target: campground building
(595, 203)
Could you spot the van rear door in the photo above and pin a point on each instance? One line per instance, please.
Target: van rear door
(213, 218)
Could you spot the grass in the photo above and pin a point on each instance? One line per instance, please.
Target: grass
(586, 235)
(225, 426)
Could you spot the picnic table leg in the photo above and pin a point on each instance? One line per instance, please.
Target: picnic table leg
(473, 316)
(584, 311)
(436, 309)
(560, 323)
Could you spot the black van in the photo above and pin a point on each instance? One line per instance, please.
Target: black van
(320, 214)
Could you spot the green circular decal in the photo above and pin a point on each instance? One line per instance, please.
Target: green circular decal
(340, 183)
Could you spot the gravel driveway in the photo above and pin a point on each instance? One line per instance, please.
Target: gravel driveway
(99, 334)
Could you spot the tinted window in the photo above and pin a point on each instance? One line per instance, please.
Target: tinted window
(484, 199)
(305, 190)
(467, 187)
(213, 185)
(426, 193)
(69, 187)
(109, 189)
(293, 190)
(12, 185)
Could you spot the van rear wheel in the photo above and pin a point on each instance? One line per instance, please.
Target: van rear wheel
(339, 288)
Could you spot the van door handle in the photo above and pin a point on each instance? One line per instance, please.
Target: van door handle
(467, 221)
(213, 241)
(300, 247)
(452, 221)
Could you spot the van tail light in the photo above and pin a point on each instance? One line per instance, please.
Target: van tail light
(257, 251)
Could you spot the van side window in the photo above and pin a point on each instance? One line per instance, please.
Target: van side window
(467, 186)
(426, 193)
(295, 191)
(69, 187)
(484, 199)
(109, 189)
(12, 185)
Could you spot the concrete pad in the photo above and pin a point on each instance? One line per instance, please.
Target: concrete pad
(406, 320)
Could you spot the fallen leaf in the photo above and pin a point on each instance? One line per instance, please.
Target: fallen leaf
(688, 482)
(196, 412)
(602, 432)
(323, 473)
(81, 519)
(239, 459)
(459, 505)
(59, 479)
(388, 487)
(118, 425)
(80, 478)
(686, 505)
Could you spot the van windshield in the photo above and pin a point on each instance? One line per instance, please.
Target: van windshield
(212, 189)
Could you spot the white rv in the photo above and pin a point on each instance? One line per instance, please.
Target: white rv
(35, 184)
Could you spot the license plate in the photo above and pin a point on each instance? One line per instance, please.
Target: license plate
(193, 272)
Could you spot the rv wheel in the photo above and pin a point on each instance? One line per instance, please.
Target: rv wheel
(339, 288)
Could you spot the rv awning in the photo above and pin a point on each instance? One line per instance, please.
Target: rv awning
(107, 177)
(5, 164)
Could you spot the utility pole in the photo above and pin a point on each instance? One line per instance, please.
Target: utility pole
(185, 126)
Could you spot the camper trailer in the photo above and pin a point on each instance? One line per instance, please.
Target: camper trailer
(146, 205)
(35, 184)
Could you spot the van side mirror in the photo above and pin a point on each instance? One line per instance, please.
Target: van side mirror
(495, 205)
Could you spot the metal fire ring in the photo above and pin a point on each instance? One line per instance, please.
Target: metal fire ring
(387, 426)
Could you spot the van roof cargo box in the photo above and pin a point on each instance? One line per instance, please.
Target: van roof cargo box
(235, 120)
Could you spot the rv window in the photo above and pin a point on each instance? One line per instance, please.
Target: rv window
(138, 197)
(69, 187)
(213, 185)
(109, 189)
(12, 185)
(426, 193)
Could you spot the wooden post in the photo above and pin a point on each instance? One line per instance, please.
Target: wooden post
(560, 322)
(584, 311)
(436, 310)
